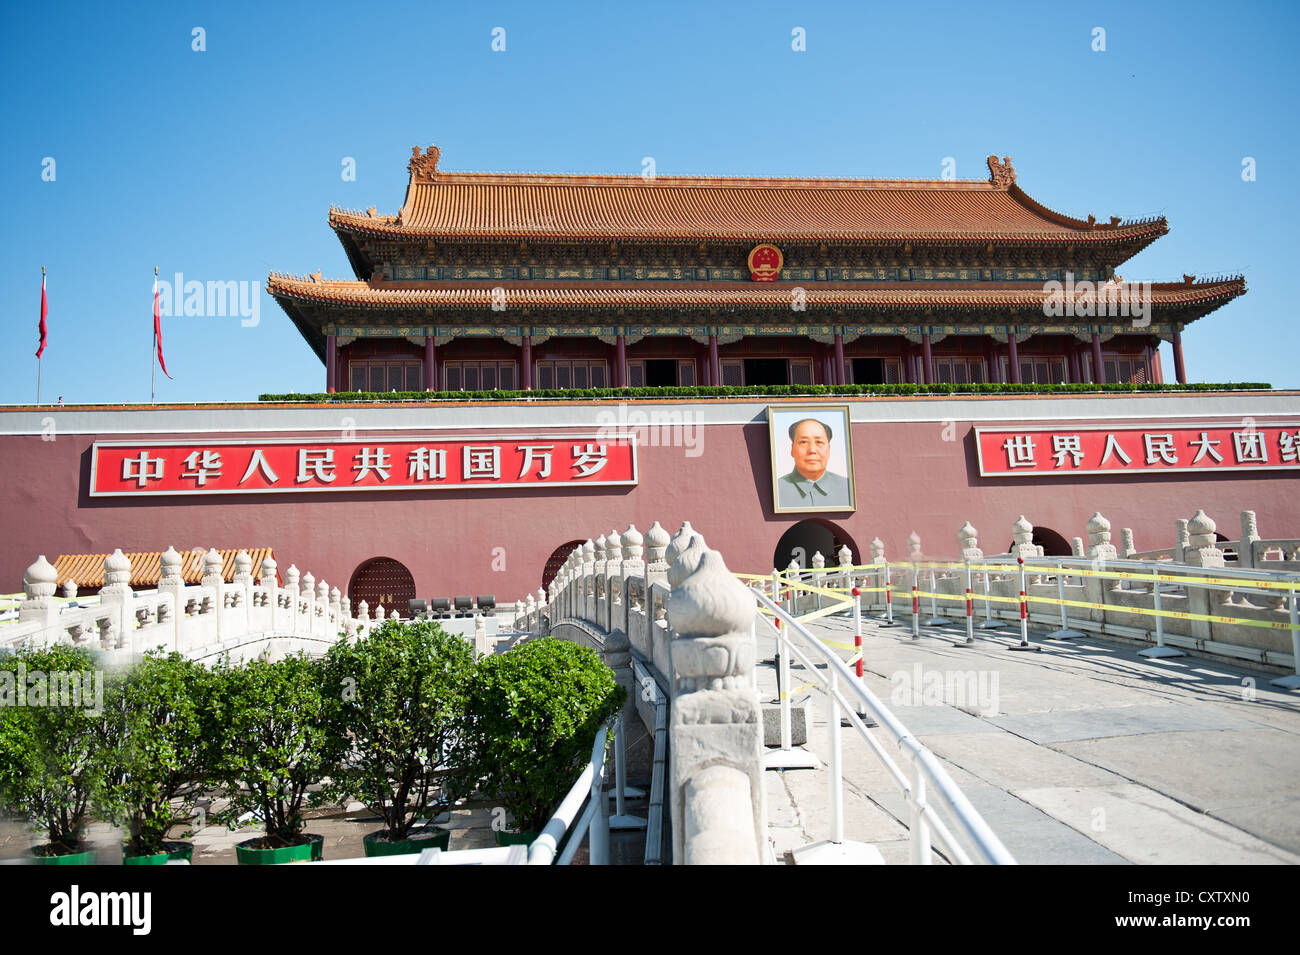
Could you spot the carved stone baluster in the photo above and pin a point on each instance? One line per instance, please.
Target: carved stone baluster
(715, 760)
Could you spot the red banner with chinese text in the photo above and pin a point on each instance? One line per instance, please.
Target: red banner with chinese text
(1146, 449)
(408, 464)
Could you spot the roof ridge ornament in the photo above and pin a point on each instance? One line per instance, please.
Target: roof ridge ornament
(1001, 173)
(424, 168)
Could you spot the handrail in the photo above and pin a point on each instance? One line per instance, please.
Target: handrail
(590, 783)
(927, 768)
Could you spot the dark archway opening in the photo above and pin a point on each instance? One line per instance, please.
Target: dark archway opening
(382, 581)
(556, 561)
(801, 541)
(1053, 544)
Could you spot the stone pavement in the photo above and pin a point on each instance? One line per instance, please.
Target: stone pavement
(1082, 753)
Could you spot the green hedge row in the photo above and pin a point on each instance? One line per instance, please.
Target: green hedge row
(757, 391)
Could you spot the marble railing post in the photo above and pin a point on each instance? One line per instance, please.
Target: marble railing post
(289, 619)
(600, 614)
(633, 568)
(1126, 548)
(878, 558)
(308, 597)
(241, 592)
(116, 596)
(271, 586)
(39, 605)
(215, 584)
(588, 595)
(715, 771)
(1249, 537)
(1202, 551)
(613, 581)
(171, 584)
(1180, 540)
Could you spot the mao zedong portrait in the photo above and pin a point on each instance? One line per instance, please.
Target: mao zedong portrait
(810, 484)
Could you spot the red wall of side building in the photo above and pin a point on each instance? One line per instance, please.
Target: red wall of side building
(917, 475)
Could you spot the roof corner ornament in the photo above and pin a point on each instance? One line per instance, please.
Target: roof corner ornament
(1188, 279)
(1001, 173)
(424, 168)
(315, 278)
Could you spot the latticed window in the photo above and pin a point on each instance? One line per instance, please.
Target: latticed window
(571, 373)
(386, 374)
(1126, 368)
(1049, 370)
(959, 371)
(479, 375)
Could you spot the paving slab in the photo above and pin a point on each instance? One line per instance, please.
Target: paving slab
(1030, 834)
(1148, 827)
(1117, 721)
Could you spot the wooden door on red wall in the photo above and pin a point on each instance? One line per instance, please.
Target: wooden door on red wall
(382, 581)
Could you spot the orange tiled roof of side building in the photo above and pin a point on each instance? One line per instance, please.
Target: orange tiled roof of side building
(706, 294)
(87, 570)
(461, 204)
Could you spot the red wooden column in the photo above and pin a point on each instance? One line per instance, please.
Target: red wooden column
(992, 367)
(1013, 357)
(620, 371)
(431, 378)
(927, 360)
(331, 364)
(838, 377)
(526, 372)
(715, 366)
(1098, 368)
(1180, 370)
(1072, 363)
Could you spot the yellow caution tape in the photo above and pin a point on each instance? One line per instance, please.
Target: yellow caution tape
(1176, 614)
(825, 611)
(797, 691)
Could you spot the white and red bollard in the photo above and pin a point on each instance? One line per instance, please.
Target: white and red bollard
(1024, 643)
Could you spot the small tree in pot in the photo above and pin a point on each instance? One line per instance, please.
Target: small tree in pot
(51, 713)
(158, 737)
(534, 713)
(398, 699)
(275, 744)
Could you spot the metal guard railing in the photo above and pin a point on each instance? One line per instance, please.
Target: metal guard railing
(926, 771)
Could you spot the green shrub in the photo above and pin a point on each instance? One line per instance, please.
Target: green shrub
(275, 742)
(534, 712)
(51, 766)
(157, 746)
(398, 698)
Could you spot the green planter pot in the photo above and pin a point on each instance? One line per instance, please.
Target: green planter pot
(246, 853)
(376, 845)
(516, 838)
(171, 850)
(68, 858)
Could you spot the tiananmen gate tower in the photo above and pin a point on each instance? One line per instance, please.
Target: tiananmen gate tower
(522, 281)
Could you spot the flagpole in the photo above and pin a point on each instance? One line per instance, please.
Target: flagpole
(154, 347)
(38, 357)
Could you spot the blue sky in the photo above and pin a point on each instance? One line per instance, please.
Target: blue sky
(222, 164)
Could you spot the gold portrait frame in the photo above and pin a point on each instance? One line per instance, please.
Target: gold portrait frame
(779, 420)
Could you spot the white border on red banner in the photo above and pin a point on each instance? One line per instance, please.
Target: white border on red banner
(629, 437)
(1125, 472)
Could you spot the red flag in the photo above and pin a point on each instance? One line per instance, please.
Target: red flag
(157, 326)
(44, 311)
